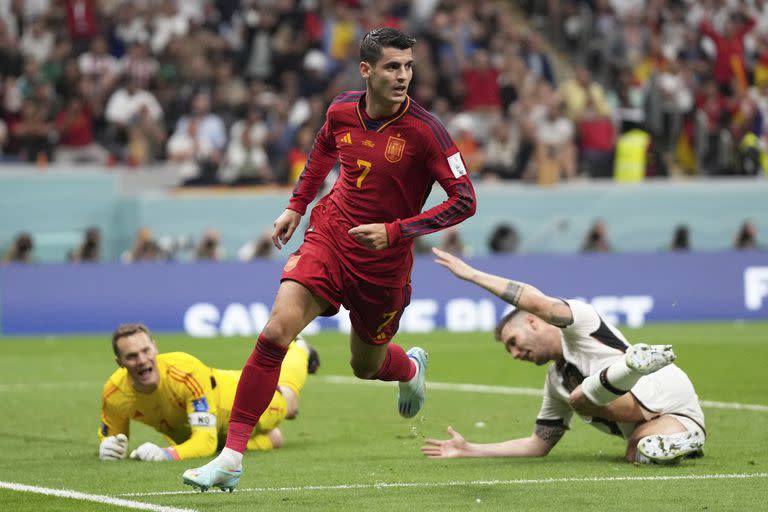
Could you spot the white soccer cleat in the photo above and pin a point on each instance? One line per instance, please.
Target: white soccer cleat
(669, 449)
(647, 359)
(411, 394)
(211, 475)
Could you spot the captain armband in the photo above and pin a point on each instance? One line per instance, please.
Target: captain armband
(202, 419)
(550, 431)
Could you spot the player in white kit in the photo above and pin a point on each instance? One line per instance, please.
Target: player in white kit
(632, 391)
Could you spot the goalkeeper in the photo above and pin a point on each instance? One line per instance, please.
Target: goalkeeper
(185, 400)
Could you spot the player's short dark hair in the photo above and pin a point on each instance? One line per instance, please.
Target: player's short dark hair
(125, 330)
(504, 321)
(384, 37)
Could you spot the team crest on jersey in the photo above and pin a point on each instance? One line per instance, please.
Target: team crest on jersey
(291, 263)
(394, 150)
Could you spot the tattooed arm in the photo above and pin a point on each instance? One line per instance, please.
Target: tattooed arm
(537, 445)
(524, 296)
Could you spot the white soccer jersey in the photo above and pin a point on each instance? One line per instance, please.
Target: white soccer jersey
(591, 344)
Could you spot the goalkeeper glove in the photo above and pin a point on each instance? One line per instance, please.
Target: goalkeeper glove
(113, 447)
(150, 452)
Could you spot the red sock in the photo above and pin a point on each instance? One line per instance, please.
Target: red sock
(396, 366)
(254, 391)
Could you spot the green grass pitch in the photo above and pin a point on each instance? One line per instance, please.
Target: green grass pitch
(348, 447)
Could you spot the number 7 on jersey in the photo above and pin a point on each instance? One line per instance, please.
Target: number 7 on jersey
(366, 168)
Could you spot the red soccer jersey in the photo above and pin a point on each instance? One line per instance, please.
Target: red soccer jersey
(388, 167)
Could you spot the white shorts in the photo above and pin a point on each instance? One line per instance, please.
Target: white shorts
(669, 391)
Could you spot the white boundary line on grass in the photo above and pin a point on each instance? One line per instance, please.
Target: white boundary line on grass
(487, 483)
(505, 390)
(33, 386)
(343, 379)
(98, 498)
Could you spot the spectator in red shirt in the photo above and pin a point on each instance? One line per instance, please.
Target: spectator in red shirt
(597, 139)
(730, 47)
(75, 126)
(481, 84)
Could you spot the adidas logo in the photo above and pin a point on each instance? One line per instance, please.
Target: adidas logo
(347, 139)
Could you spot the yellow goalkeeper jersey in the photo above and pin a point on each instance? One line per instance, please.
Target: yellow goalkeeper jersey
(192, 403)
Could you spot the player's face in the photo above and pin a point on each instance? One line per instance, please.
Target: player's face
(529, 339)
(138, 354)
(389, 78)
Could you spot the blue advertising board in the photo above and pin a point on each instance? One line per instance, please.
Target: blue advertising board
(210, 299)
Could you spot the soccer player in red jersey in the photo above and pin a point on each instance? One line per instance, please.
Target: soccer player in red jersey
(357, 247)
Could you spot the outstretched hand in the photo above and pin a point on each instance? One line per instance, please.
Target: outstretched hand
(459, 268)
(285, 225)
(372, 236)
(451, 448)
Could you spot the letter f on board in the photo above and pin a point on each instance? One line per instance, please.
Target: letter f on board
(755, 287)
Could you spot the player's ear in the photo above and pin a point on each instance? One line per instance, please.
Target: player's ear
(117, 361)
(365, 70)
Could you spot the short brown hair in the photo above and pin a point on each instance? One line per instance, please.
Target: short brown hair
(504, 321)
(125, 330)
(377, 39)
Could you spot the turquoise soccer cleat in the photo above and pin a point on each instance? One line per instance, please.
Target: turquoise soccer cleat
(208, 476)
(411, 394)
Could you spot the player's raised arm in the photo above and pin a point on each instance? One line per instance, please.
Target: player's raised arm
(524, 296)
(457, 447)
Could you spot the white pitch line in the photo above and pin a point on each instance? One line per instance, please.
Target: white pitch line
(487, 483)
(343, 379)
(506, 390)
(733, 405)
(33, 386)
(98, 498)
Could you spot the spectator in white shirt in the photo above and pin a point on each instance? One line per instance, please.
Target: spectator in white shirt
(37, 42)
(126, 102)
(98, 65)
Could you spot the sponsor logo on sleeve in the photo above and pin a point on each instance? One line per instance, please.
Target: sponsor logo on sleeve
(200, 405)
(457, 166)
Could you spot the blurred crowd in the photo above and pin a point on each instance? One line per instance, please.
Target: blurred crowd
(685, 79)
(503, 239)
(230, 91)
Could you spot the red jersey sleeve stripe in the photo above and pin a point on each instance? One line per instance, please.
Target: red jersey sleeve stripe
(187, 379)
(462, 206)
(190, 384)
(183, 377)
(347, 97)
(435, 125)
(109, 391)
(445, 218)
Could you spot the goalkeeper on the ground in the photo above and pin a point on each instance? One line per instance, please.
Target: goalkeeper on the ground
(185, 400)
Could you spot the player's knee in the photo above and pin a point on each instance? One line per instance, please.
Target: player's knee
(278, 332)
(362, 371)
(579, 401)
